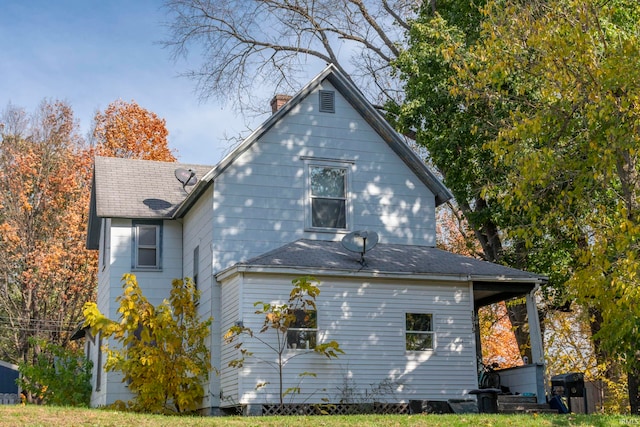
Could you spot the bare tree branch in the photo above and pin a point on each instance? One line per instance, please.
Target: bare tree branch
(247, 46)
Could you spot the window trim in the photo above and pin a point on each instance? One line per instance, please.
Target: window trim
(331, 164)
(312, 331)
(136, 225)
(431, 332)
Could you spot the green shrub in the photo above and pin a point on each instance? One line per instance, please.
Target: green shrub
(59, 376)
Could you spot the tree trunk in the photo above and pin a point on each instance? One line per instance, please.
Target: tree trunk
(633, 382)
(518, 317)
(486, 232)
(488, 235)
(613, 371)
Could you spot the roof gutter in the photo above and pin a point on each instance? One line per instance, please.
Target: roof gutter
(538, 280)
(294, 270)
(193, 196)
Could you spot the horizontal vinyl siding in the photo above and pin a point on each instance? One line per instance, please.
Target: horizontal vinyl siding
(99, 397)
(197, 231)
(230, 315)
(252, 216)
(260, 200)
(155, 284)
(367, 319)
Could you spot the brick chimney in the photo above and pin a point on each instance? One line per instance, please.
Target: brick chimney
(278, 101)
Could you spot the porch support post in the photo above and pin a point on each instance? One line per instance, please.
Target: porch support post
(535, 333)
(537, 350)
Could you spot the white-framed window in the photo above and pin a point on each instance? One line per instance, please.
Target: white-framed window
(303, 333)
(328, 196)
(147, 245)
(419, 333)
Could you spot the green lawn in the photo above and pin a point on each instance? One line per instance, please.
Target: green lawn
(17, 415)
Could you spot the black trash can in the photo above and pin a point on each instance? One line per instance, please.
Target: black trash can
(487, 400)
(572, 385)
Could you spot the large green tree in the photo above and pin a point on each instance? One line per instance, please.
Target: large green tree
(569, 71)
(455, 132)
(438, 118)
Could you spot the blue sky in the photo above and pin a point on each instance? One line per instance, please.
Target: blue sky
(93, 52)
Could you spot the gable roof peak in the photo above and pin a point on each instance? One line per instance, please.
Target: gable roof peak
(342, 83)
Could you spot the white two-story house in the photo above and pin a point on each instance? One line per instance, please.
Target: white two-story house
(324, 165)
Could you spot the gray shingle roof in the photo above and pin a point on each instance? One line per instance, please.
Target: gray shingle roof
(130, 188)
(386, 258)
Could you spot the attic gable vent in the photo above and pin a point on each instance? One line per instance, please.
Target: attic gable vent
(327, 101)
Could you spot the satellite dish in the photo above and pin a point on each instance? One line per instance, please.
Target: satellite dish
(360, 242)
(187, 177)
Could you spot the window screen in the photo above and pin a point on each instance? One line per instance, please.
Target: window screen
(419, 332)
(328, 197)
(302, 334)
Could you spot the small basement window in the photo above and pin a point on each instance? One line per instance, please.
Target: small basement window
(327, 101)
(419, 332)
(302, 334)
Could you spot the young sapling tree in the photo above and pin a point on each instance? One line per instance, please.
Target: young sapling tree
(295, 327)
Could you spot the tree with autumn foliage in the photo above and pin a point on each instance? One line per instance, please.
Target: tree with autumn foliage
(127, 130)
(46, 274)
(498, 341)
(162, 350)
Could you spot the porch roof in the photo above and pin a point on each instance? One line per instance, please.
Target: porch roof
(492, 282)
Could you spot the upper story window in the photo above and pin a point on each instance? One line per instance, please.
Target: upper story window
(419, 332)
(328, 193)
(147, 243)
(303, 333)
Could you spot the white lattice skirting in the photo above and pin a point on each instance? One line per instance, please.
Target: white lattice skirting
(9, 399)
